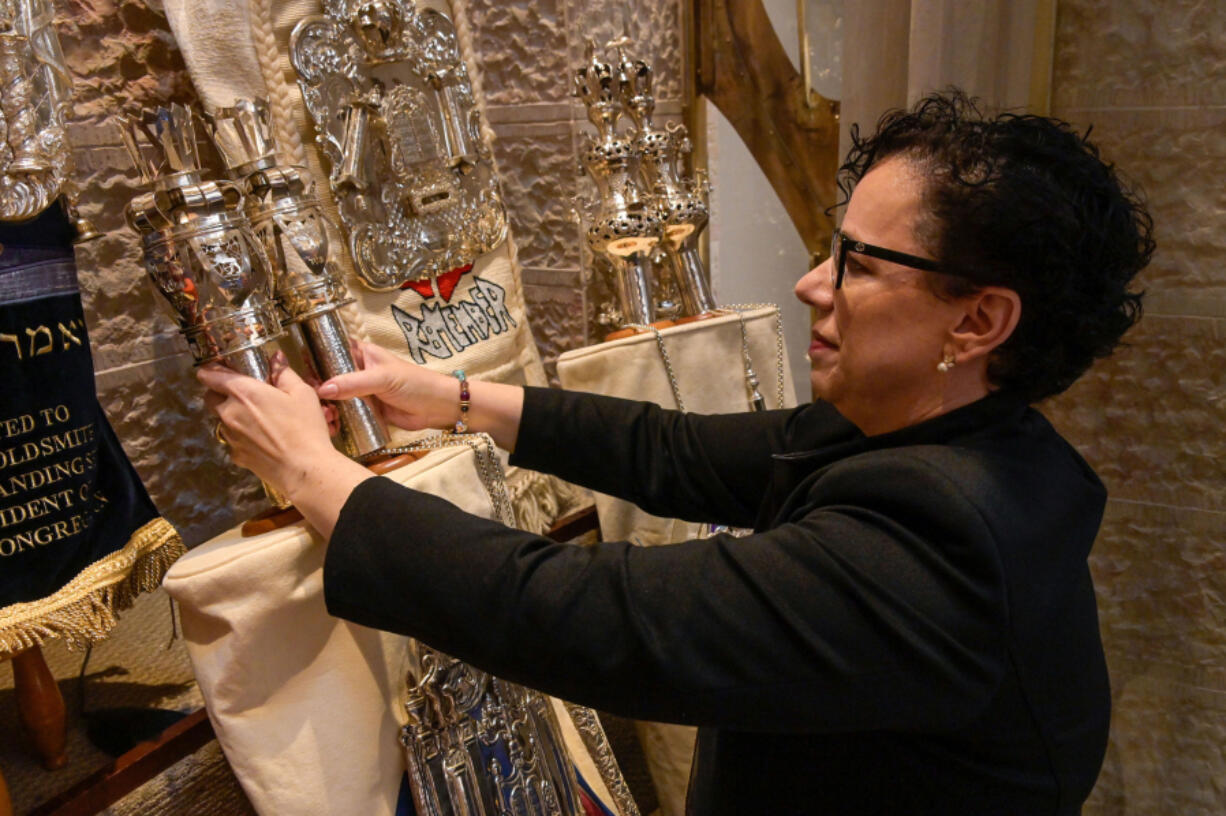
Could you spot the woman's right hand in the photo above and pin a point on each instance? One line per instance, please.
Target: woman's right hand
(412, 396)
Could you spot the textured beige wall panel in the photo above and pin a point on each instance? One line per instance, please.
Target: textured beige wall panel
(557, 319)
(537, 166)
(654, 28)
(157, 410)
(1178, 158)
(1150, 77)
(522, 50)
(1161, 580)
(1165, 757)
(1150, 419)
(1160, 576)
(121, 52)
(1126, 53)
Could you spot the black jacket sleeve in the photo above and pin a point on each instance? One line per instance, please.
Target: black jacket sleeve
(706, 468)
(879, 607)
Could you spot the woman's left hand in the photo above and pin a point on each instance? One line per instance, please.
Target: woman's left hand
(277, 430)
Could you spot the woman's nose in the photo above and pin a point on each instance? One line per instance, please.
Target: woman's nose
(814, 286)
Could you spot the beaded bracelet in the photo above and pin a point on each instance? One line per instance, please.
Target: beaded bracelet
(461, 425)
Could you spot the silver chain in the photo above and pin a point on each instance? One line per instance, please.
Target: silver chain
(668, 363)
(751, 376)
(489, 469)
(740, 309)
(756, 401)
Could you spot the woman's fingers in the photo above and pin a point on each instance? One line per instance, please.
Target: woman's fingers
(217, 377)
(212, 399)
(355, 384)
(287, 380)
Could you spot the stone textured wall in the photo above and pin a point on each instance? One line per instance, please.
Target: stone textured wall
(123, 54)
(1151, 78)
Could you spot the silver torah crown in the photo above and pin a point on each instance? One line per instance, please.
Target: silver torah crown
(680, 204)
(392, 103)
(646, 217)
(298, 239)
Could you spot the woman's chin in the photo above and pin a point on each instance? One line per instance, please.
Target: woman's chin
(819, 384)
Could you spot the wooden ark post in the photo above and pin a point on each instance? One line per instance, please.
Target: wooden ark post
(738, 62)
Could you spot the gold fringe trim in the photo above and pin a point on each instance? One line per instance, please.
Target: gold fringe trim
(539, 499)
(85, 609)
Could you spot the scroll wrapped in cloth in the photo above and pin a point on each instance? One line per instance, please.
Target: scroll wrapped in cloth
(378, 101)
(709, 367)
(308, 708)
(79, 537)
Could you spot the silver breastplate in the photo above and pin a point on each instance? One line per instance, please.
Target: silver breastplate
(393, 106)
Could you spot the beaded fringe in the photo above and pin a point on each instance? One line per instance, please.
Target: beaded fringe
(539, 500)
(85, 609)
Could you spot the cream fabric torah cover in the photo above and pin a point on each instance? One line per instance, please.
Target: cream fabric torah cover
(308, 707)
(708, 361)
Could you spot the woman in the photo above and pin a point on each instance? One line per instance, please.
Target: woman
(912, 628)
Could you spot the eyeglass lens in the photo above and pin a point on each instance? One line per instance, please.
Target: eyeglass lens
(836, 258)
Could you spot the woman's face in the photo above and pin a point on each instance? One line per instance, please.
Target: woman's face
(877, 340)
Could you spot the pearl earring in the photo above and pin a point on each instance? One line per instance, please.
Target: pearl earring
(946, 363)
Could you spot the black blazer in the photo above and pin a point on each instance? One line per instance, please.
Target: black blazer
(910, 630)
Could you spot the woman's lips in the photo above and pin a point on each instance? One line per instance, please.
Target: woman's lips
(820, 345)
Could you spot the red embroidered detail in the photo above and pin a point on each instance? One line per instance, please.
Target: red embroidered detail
(421, 287)
(447, 283)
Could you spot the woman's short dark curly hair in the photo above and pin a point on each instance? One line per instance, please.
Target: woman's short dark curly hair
(1024, 202)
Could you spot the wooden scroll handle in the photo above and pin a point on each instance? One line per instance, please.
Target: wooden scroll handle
(41, 707)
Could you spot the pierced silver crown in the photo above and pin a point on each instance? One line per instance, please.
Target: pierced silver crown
(161, 142)
(243, 136)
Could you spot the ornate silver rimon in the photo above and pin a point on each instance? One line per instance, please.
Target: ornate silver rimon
(621, 228)
(680, 203)
(35, 102)
(646, 209)
(298, 239)
(198, 247)
(392, 103)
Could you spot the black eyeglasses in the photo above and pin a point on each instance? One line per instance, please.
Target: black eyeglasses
(840, 245)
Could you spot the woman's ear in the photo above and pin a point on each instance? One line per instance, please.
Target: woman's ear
(989, 318)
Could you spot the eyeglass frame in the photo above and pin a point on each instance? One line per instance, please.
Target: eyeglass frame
(839, 247)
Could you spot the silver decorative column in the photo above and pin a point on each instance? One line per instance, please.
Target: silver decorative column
(36, 163)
